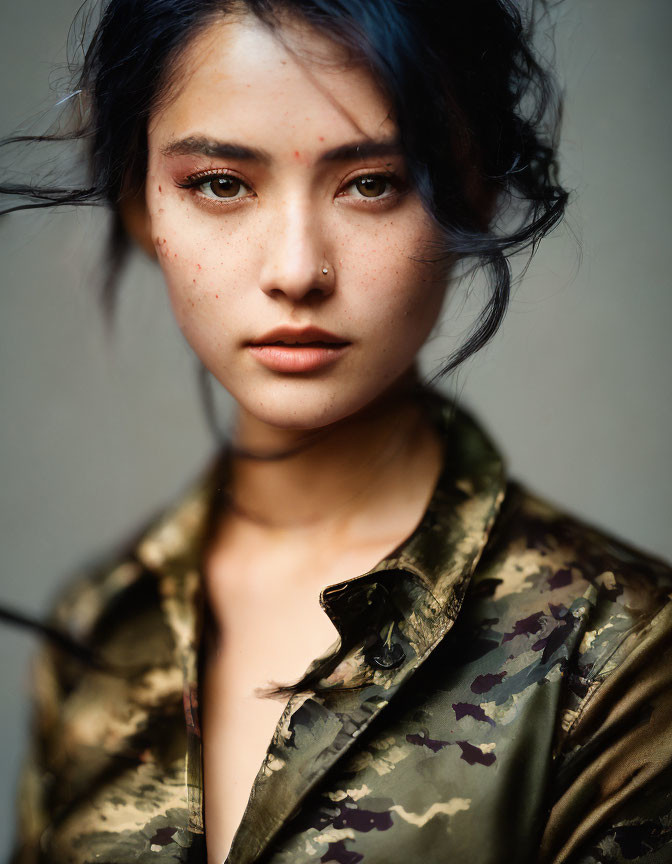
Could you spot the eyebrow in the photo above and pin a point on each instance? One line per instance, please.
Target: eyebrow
(199, 145)
(366, 149)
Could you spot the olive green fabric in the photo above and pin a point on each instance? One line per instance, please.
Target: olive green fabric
(504, 695)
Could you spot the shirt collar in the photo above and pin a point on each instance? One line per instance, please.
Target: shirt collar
(389, 619)
(448, 539)
(433, 565)
(426, 575)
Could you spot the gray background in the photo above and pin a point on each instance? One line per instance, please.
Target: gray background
(97, 433)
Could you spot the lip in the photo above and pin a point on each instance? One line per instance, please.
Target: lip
(298, 335)
(297, 358)
(307, 349)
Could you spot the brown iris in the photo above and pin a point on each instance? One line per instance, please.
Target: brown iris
(371, 186)
(225, 187)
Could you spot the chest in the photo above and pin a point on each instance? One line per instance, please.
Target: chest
(259, 647)
(431, 776)
(269, 626)
(458, 764)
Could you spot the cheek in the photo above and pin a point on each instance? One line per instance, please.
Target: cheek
(203, 270)
(397, 291)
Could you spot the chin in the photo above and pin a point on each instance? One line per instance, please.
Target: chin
(304, 404)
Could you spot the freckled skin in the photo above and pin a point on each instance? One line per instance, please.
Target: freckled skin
(264, 252)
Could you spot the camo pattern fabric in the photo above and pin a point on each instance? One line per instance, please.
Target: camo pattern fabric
(503, 694)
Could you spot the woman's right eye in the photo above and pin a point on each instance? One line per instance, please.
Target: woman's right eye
(218, 186)
(223, 186)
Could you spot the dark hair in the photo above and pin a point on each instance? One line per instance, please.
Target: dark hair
(478, 117)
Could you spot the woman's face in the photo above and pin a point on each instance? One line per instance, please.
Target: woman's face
(263, 172)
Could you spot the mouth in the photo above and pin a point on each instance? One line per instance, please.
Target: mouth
(285, 343)
(287, 356)
(299, 338)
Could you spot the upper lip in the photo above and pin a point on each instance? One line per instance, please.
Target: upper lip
(295, 335)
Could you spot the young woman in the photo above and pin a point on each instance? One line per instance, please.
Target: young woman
(311, 176)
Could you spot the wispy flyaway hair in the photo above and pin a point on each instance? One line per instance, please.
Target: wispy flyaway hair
(477, 112)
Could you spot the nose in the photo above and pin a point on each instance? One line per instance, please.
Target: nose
(294, 255)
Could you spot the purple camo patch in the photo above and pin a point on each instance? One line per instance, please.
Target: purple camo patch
(560, 579)
(483, 683)
(163, 836)
(362, 820)
(466, 709)
(338, 854)
(526, 626)
(474, 755)
(423, 740)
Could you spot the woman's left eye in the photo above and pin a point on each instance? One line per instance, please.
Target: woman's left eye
(372, 186)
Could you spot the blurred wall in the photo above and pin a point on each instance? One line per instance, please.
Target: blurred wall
(96, 434)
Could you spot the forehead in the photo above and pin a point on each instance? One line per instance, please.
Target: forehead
(236, 78)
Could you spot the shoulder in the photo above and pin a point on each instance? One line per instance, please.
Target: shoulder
(127, 588)
(582, 597)
(108, 629)
(100, 687)
(538, 550)
(550, 531)
(575, 606)
(102, 610)
(88, 593)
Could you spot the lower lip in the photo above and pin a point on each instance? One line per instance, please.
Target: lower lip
(297, 358)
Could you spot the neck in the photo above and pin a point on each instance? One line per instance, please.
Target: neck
(288, 481)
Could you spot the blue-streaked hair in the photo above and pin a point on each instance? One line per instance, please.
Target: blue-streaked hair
(478, 117)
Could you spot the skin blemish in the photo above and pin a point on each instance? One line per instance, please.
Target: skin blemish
(160, 188)
(274, 253)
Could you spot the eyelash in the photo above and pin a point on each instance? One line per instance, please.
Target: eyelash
(201, 178)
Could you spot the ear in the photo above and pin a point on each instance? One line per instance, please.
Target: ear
(135, 218)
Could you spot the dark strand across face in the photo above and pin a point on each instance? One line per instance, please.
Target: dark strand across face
(477, 115)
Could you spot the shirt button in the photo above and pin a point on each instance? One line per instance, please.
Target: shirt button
(389, 656)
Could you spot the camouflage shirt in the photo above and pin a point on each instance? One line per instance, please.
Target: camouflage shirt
(503, 694)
